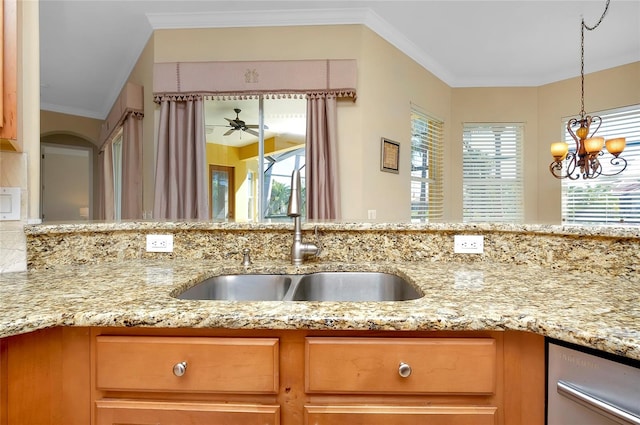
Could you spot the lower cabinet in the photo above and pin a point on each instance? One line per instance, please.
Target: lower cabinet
(456, 376)
(138, 376)
(141, 366)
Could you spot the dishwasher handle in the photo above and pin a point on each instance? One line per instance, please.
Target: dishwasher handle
(594, 403)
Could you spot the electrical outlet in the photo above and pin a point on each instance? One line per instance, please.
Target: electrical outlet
(159, 243)
(371, 214)
(468, 244)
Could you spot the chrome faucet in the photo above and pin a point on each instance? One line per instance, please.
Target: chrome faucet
(299, 249)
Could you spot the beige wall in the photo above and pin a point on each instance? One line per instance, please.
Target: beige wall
(388, 83)
(57, 123)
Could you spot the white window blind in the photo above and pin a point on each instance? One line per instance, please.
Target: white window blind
(426, 167)
(608, 199)
(492, 172)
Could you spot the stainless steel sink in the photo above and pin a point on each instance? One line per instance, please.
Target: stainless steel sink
(242, 287)
(322, 286)
(351, 286)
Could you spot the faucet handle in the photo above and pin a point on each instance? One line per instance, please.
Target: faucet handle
(246, 257)
(318, 243)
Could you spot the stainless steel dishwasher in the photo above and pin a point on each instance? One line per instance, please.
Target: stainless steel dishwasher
(588, 387)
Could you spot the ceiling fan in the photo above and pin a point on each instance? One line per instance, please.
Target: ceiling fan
(237, 124)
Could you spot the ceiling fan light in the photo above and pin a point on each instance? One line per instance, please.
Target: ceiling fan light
(616, 146)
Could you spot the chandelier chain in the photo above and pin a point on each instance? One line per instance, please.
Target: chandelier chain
(582, 28)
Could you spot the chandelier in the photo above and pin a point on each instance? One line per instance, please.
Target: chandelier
(584, 161)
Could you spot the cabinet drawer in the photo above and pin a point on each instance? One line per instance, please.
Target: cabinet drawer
(114, 412)
(372, 365)
(233, 365)
(399, 415)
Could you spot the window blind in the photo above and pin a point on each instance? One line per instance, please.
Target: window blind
(426, 167)
(608, 199)
(493, 188)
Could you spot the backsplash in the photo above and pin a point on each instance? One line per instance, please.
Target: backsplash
(13, 173)
(602, 250)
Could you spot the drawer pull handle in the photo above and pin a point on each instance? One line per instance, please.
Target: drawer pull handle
(180, 369)
(404, 370)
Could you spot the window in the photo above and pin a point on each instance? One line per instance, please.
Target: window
(277, 183)
(263, 168)
(492, 173)
(608, 199)
(426, 167)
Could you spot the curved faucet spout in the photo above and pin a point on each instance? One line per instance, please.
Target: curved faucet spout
(299, 248)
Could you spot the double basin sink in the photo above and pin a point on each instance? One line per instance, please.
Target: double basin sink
(321, 286)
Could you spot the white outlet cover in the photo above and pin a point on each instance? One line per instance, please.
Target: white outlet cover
(159, 243)
(468, 244)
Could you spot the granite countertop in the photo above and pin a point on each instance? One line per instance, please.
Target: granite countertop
(572, 306)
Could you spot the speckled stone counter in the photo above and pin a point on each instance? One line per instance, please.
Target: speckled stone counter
(608, 251)
(578, 307)
(572, 283)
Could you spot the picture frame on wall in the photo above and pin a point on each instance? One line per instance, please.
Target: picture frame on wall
(390, 156)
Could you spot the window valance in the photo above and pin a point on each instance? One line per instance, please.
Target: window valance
(130, 101)
(244, 79)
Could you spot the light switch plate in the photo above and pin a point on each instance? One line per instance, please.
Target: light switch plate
(9, 203)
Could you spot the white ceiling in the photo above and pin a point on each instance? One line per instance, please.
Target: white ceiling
(88, 47)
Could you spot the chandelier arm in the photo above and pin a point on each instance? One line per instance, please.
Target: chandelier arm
(597, 119)
(617, 162)
(571, 123)
(593, 168)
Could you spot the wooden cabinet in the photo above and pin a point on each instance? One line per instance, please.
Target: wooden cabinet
(184, 364)
(400, 415)
(3, 381)
(116, 412)
(401, 365)
(427, 380)
(48, 374)
(107, 376)
(132, 370)
(9, 71)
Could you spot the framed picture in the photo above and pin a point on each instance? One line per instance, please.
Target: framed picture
(390, 156)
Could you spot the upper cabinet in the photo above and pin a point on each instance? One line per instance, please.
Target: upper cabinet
(9, 92)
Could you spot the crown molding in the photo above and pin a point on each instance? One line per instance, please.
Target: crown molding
(270, 18)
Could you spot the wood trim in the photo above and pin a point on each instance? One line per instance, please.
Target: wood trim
(113, 412)
(231, 172)
(3, 381)
(524, 377)
(401, 415)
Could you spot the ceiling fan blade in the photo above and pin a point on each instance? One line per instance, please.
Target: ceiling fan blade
(229, 132)
(252, 126)
(248, 130)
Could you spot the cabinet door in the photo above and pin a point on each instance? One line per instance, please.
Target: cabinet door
(372, 365)
(145, 363)
(113, 412)
(399, 415)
